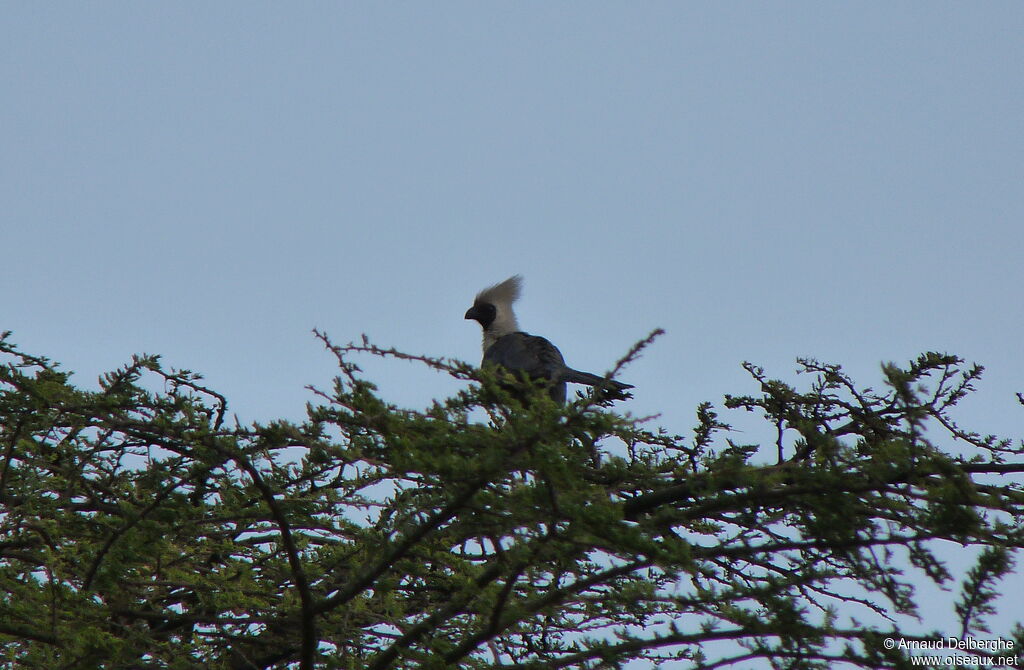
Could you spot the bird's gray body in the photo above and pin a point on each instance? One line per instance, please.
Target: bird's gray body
(535, 357)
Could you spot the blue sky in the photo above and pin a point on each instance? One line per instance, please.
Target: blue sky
(763, 180)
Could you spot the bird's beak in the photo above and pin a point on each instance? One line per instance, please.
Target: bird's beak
(473, 313)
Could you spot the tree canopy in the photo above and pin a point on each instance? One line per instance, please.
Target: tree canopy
(141, 528)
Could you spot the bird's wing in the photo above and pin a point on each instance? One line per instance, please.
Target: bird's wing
(530, 354)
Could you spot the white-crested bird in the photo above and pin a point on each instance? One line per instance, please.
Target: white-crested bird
(524, 354)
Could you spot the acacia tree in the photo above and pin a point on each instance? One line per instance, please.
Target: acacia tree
(139, 530)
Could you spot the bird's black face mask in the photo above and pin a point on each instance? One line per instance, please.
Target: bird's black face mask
(483, 313)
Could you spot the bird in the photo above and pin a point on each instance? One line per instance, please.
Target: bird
(532, 356)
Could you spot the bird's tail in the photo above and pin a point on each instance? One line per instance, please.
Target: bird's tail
(577, 377)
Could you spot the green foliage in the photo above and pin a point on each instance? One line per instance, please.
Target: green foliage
(137, 530)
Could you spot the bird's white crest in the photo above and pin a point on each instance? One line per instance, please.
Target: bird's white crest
(502, 296)
(504, 293)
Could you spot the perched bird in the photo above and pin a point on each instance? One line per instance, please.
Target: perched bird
(530, 355)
